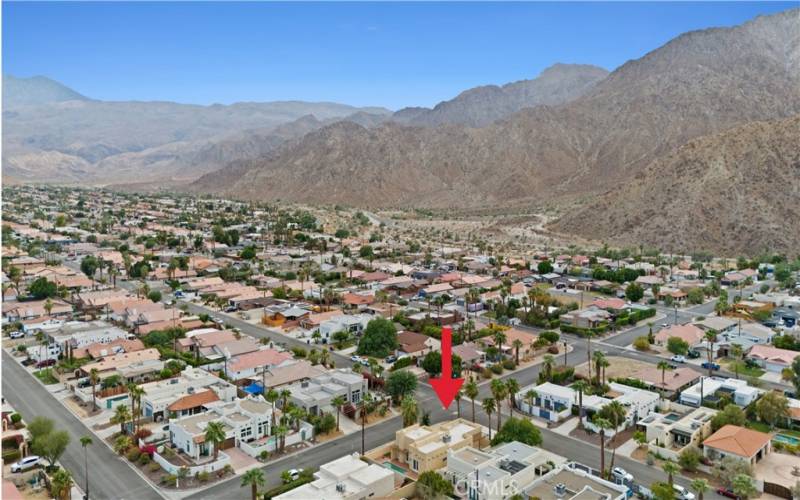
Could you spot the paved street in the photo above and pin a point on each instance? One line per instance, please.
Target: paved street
(110, 476)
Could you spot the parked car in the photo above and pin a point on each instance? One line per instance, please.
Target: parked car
(294, 474)
(622, 474)
(26, 463)
(179, 294)
(231, 309)
(682, 493)
(45, 363)
(713, 366)
(678, 358)
(355, 358)
(727, 493)
(391, 358)
(16, 335)
(693, 354)
(664, 325)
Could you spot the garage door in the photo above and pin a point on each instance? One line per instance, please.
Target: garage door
(228, 443)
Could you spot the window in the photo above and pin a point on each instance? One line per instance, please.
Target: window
(415, 464)
(355, 396)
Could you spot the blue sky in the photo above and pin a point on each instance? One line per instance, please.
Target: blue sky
(387, 54)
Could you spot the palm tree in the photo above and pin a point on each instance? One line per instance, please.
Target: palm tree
(711, 338)
(85, 442)
(670, 468)
(547, 366)
(135, 393)
(736, 352)
(338, 402)
(700, 486)
(512, 388)
(499, 338)
(517, 345)
(367, 405)
(409, 410)
(61, 484)
(598, 358)
(663, 366)
(498, 389)
(272, 397)
(602, 424)
(94, 379)
(324, 357)
(121, 416)
(285, 393)
(581, 386)
(589, 352)
(48, 306)
(215, 433)
(489, 407)
(471, 391)
(280, 433)
(530, 397)
(254, 478)
(458, 396)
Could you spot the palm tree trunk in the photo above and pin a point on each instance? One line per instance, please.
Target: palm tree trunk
(473, 411)
(602, 453)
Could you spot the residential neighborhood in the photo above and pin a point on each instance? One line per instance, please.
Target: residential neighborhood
(207, 366)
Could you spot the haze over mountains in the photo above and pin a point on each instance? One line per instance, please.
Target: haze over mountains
(607, 149)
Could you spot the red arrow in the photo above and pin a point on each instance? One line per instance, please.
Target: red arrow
(446, 387)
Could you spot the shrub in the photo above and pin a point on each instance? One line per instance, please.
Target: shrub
(11, 456)
(550, 336)
(169, 479)
(486, 373)
(497, 368)
(16, 418)
(148, 449)
(133, 455)
(153, 467)
(509, 364)
(142, 434)
(641, 343)
(203, 476)
(144, 459)
(553, 349)
(402, 363)
(689, 458)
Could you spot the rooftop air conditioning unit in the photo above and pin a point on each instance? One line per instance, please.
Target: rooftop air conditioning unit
(447, 438)
(560, 490)
(190, 390)
(340, 488)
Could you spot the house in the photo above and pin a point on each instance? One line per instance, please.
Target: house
(671, 433)
(470, 353)
(552, 402)
(346, 478)
(498, 468)
(574, 482)
(243, 420)
(177, 392)
(416, 344)
(720, 324)
(315, 395)
(422, 448)
(771, 358)
(691, 334)
(78, 334)
(674, 381)
(738, 442)
(252, 363)
(591, 317)
(712, 388)
(638, 404)
(288, 373)
(352, 324)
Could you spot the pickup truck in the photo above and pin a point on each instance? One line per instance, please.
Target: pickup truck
(712, 366)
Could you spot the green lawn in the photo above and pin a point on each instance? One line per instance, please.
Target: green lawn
(758, 426)
(46, 376)
(744, 370)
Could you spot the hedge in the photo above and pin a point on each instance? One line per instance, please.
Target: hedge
(402, 363)
(278, 490)
(583, 332)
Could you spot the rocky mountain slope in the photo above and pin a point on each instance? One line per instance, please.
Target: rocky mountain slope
(19, 92)
(49, 127)
(480, 106)
(699, 83)
(737, 191)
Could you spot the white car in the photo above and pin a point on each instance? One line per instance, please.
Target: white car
(678, 358)
(621, 474)
(294, 473)
(681, 493)
(16, 335)
(26, 463)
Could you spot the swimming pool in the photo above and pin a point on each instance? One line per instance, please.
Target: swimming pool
(396, 468)
(785, 439)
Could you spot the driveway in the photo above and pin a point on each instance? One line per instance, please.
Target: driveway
(777, 468)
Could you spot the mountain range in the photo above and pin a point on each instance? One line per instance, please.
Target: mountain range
(601, 149)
